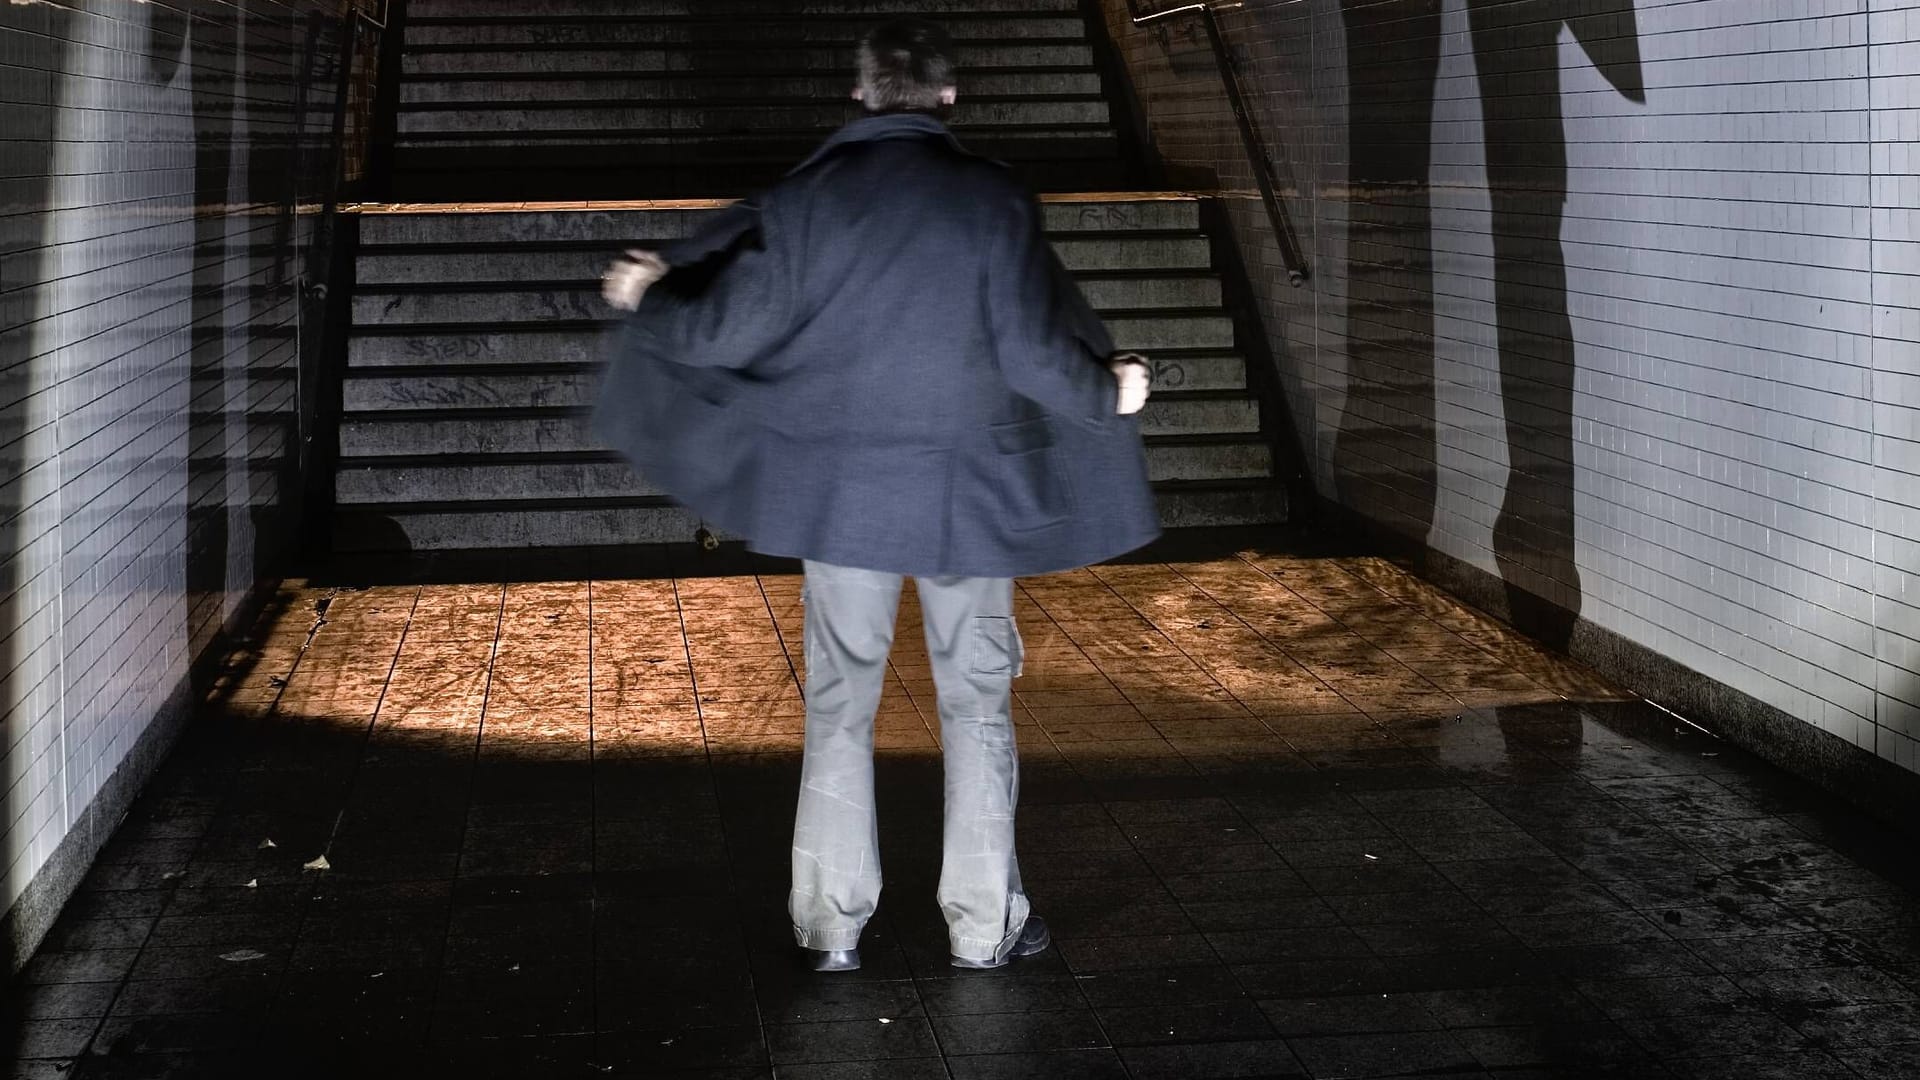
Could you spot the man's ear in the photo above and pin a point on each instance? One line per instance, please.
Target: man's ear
(948, 95)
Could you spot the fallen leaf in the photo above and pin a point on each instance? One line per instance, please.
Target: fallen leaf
(1375, 858)
(173, 875)
(884, 1020)
(241, 956)
(267, 844)
(253, 883)
(319, 863)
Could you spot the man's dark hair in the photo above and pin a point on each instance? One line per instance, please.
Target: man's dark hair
(904, 66)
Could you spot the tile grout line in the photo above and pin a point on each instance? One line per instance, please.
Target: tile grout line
(146, 941)
(373, 720)
(1160, 877)
(473, 769)
(1079, 983)
(713, 785)
(593, 834)
(1567, 982)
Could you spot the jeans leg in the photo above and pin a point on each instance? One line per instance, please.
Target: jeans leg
(836, 845)
(976, 652)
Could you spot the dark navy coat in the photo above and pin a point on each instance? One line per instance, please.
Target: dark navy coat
(879, 363)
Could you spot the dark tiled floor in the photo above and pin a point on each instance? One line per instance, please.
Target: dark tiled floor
(1289, 817)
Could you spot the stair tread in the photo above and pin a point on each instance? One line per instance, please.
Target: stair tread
(595, 457)
(597, 502)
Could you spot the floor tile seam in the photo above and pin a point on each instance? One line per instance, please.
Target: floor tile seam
(1080, 984)
(1271, 643)
(282, 976)
(279, 978)
(431, 1008)
(1160, 879)
(744, 932)
(1344, 625)
(1053, 743)
(1131, 606)
(593, 819)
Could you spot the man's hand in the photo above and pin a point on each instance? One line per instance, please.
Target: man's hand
(626, 281)
(1134, 375)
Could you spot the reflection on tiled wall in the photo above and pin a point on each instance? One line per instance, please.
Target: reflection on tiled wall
(1618, 300)
(154, 316)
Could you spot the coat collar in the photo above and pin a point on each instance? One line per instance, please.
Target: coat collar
(876, 127)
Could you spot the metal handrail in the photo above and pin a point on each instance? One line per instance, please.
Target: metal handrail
(1250, 138)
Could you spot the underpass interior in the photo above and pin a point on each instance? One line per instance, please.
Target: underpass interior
(368, 717)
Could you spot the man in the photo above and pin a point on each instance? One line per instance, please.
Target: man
(879, 367)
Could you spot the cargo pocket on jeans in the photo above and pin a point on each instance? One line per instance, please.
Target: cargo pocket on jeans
(997, 649)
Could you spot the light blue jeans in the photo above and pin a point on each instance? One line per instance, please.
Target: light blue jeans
(975, 652)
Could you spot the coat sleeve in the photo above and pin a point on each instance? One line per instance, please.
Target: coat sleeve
(728, 298)
(1050, 345)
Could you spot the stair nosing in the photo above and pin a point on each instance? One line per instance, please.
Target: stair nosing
(725, 103)
(664, 75)
(562, 412)
(648, 502)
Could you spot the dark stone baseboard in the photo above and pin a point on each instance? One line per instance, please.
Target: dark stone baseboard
(27, 922)
(1861, 778)
(32, 915)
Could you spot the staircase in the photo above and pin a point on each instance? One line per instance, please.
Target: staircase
(476, 334)
(477, 339)
(515, 99)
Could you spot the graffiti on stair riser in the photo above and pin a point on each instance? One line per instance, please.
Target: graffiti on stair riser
(1384, 454)
(463, 347)
(1111, 215)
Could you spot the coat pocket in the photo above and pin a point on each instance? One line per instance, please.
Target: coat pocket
(1034, 493)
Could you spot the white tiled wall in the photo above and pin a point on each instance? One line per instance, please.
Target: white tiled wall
(148, 397)
(1742, 254)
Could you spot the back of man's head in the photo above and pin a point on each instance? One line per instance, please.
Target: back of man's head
(906, 65)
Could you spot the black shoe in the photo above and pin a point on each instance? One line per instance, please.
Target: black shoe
(833, 959)
(1034, 940)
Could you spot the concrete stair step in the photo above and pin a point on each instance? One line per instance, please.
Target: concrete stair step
(567, 343)
(1202, 504)
(771, 57)
(1104, 288)
(511, 431)
(432, 299)
(777, 148)
(690, 86)
(618, 27)
(1065, 221)
(376, 390)
(1151, 333)
(583, 523)
(710, 119)
(585, 343)
(666, 171)
(384, 481)
(507, 9)
(568, 301)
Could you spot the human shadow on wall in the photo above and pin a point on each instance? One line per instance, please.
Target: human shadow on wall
(1384, 456)
(252, 250)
